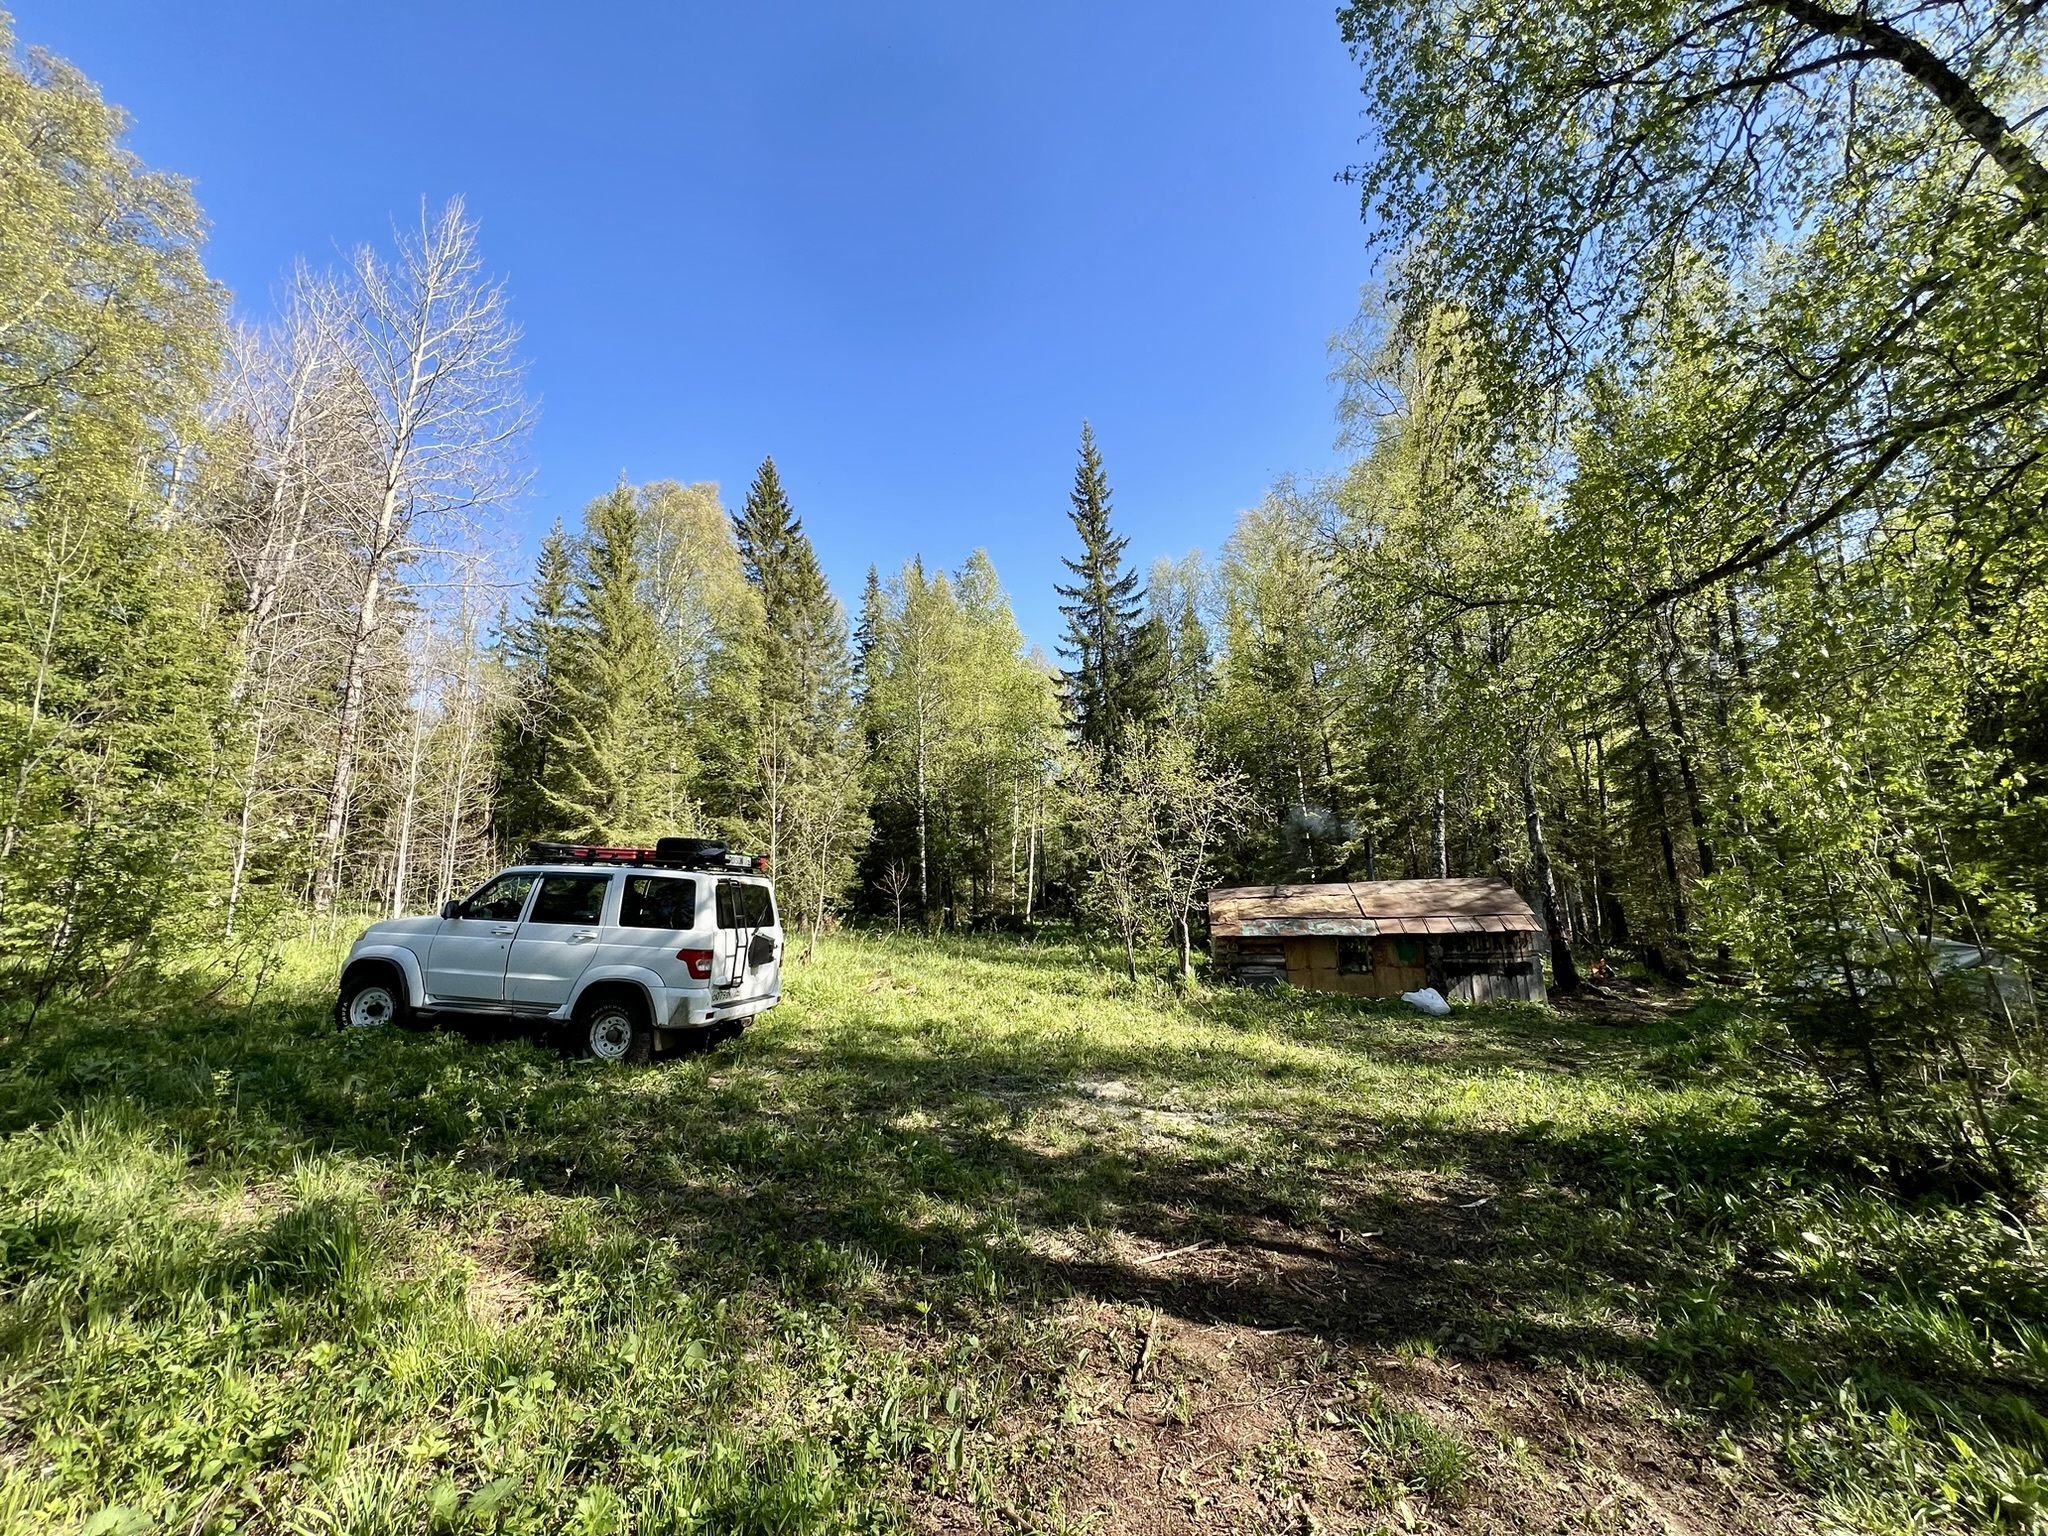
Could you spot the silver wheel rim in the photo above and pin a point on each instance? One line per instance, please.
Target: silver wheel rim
(371, 1007)
(611, 1035)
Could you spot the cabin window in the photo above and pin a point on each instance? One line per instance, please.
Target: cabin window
(1354, 957)
(1408, 951)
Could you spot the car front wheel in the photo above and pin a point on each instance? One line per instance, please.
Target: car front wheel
(616, 1030)
(370, 999)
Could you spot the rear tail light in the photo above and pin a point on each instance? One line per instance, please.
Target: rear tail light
(698, 961)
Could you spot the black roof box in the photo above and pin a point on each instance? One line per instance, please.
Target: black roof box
(698, 852)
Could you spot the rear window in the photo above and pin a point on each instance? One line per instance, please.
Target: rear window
(742, 904)
(654, 902)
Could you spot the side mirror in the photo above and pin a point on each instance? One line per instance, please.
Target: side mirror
(451, 909)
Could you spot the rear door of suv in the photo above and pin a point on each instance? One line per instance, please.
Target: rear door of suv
(658, 930)
(748, 962)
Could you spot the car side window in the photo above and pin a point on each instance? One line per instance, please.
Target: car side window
(744, 905)
(658, 901)
(566, 899)
(499, 901)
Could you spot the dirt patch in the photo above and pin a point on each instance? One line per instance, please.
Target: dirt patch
(1623, 1002)
(250, 1206)
(498, 1292)
(1160, 1425)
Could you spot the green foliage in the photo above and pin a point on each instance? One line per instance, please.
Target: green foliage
(532, 649)
(799, 793)
(965, 726)
(111, 324)
(1150, 817)
(113, 659)
(634, 656)
(605, 763)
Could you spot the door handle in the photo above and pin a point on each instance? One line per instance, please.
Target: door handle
(584, 933)
(503, 933)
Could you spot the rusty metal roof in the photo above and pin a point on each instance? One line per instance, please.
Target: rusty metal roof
(1367, 908)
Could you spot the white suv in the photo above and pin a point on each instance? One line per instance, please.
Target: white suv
(627, 947)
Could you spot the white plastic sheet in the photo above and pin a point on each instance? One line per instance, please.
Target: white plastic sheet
(1429, 1000)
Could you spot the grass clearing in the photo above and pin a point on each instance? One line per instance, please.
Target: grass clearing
(972, 1234)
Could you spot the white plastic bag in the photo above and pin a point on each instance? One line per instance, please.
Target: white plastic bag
(1429, 1000)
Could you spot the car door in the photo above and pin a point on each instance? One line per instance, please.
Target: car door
(466, 963)
(748, 960)
(558, 940)
(658, 918)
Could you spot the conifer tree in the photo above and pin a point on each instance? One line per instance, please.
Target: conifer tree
(532, 650)
(802, 729)
(868, 634)
(762, 527)
(604, 749)
(1145, 685)
(1101, 608)
(805, 665)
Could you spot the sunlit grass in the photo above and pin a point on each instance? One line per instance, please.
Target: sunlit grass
(254, 1272)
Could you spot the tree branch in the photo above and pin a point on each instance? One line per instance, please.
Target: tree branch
(1969, 110)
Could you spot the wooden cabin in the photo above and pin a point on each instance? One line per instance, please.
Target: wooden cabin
(1473, 940)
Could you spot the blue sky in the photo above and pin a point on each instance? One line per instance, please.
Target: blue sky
(905, 248)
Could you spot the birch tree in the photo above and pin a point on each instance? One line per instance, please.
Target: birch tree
(431, 351)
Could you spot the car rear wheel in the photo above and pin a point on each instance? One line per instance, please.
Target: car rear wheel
(615, 1029)
(371, 999)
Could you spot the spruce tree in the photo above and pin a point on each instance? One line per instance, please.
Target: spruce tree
(1143, 686)
(1101, 608)
(763, 527)
(604, 750)
(531, 650)
(801, 727)
(805, 665)
(868, 634)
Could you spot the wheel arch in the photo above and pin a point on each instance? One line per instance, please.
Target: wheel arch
(390, 957)
(642, 986)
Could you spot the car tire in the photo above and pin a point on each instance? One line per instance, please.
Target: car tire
(372, 997)
(615, 1028)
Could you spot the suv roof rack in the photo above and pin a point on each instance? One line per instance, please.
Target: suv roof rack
(667, 853)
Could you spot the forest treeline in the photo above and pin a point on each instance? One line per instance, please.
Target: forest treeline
(1685, 571)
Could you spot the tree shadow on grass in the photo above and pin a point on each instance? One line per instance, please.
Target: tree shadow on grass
(899, 1164)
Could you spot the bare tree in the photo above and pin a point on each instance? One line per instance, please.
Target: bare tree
(435, 379)
(280, 472)
(894, 883)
